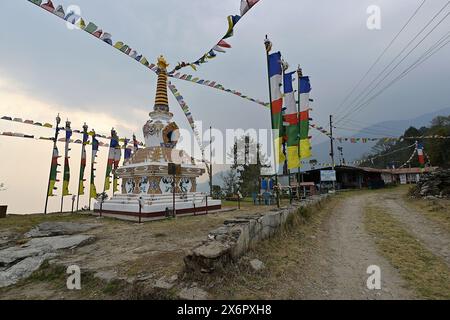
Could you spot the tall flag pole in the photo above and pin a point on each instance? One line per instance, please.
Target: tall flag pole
(299, 172)
(82, 164)
(92, 188)
(52, 179)
(114, 143)
(276, 101)
(66, 171)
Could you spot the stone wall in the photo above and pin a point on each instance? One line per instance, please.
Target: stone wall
(232, 240)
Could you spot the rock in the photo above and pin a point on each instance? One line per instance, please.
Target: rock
(257, 265)
(193, 293)
(173, 278)
(21, 261)
(163, 284)
(23, 269)
(106, 276)
(50, 229)
(432, 185)
(211, 250)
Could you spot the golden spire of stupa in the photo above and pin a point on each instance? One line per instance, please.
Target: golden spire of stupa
(161, 100)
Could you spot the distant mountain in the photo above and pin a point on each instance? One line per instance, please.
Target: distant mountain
(355, 151)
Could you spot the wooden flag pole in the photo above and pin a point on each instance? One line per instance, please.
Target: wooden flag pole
(83, 152)
(55, 139)
(91, 179)
(66, 151)
(299, 173)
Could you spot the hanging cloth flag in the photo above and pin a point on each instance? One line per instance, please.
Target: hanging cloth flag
(117, 157)
(305, 139)
(95, 147)
(420, 155)
(111, 159)
(53, 172)
(66, 176)
(275, 76)
(127, 151)
(83, 161)
(304, 103)
(291, 121)
(246, 5)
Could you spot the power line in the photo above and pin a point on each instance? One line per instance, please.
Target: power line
(413, 66)
(363, 94)
(361, 101)
(380, 56)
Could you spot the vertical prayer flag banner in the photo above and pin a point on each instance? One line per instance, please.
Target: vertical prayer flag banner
(117, 157)
(83, 161)
(53, 172)
(420, 155)
(111, 159)
(305, 143)
(275, 77)
(95, 147)
(291, 123)
(66, 180)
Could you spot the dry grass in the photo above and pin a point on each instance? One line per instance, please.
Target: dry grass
(437, 210)
(23, 223)
(425, 273)
(284, 255)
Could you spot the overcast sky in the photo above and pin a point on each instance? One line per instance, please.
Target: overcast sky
(46, 68)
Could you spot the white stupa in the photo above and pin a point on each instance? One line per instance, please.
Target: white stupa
(146, 175)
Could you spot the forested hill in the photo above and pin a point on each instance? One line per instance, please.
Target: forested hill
(386, 154)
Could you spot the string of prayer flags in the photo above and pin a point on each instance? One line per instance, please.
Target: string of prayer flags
(215, 85)
(221, 45)
(92, 29)
(187, 113)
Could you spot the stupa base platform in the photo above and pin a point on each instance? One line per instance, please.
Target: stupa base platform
(156, 207)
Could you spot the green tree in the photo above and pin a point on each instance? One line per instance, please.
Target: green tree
(248, 160)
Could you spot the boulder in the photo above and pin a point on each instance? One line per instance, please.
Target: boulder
(19, 262)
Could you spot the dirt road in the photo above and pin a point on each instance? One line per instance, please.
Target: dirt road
(328, 258)
(338, 268)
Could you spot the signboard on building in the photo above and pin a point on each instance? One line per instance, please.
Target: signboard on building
(328, 175)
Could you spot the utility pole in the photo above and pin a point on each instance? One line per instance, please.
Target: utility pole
(331, 142)
(332, 148)
(210, 164)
